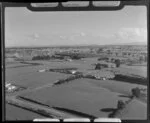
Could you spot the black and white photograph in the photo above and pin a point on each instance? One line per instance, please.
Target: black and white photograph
(76, 64)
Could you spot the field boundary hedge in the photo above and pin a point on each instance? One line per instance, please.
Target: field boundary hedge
(131, 79)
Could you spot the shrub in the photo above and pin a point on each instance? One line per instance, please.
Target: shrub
(100, 50)
(117, 62)
(100, 66)
(44, 57)
(120, 104)
(89, 76)
(103, 58)
(77, 57)
(136, 92)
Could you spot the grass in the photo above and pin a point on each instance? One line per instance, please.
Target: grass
(87, 96)
(79, 95)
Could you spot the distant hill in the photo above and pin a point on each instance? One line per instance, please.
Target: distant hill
(132, 43)
(80, 45)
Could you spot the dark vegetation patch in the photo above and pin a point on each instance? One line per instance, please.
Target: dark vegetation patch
(64, 70)
(43, 57)
(30, 100)
(139, 94)
(114, 111)
(20, 66)
(61, 56)
(26, 64)
(23, 62)
(62, 81)
(75, 56)
(126, 96)
(131, 79)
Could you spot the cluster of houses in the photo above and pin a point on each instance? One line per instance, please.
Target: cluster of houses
(10, 87)
(42, 70)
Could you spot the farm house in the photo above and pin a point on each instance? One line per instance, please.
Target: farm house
(9, 87)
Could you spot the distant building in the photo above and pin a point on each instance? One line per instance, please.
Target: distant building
(17, 55)
(43, 70)
(73, 71)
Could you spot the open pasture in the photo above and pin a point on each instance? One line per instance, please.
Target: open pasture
(79, 95)
(20, 114)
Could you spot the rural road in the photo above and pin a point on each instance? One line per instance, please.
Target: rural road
(36, 107)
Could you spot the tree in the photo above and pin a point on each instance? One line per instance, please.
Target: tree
(141, 59)
(112, 60)
(124, 54)
(136, 92)
(100, 50)
(75, 56)
(117, 62)
(98, 66)
(120, 104)
(46, 57)
(145, 58)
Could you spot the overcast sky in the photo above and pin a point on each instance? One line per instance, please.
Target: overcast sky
(26, 28)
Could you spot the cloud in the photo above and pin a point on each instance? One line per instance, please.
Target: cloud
(35, 35)
(82, 34)
(74, 36)
(62, 37)
(136, 34)
(32, 37)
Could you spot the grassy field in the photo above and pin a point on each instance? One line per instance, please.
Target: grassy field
(16, 113)
(84, 95)
(93, 97)
(135, 70)
(30, 78)
(135, 110)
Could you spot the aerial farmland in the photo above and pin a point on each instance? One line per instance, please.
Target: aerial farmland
(61, 86)
(72, 63)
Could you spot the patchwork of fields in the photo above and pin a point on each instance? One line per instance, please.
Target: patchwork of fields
(88, 96)
(83, 95)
